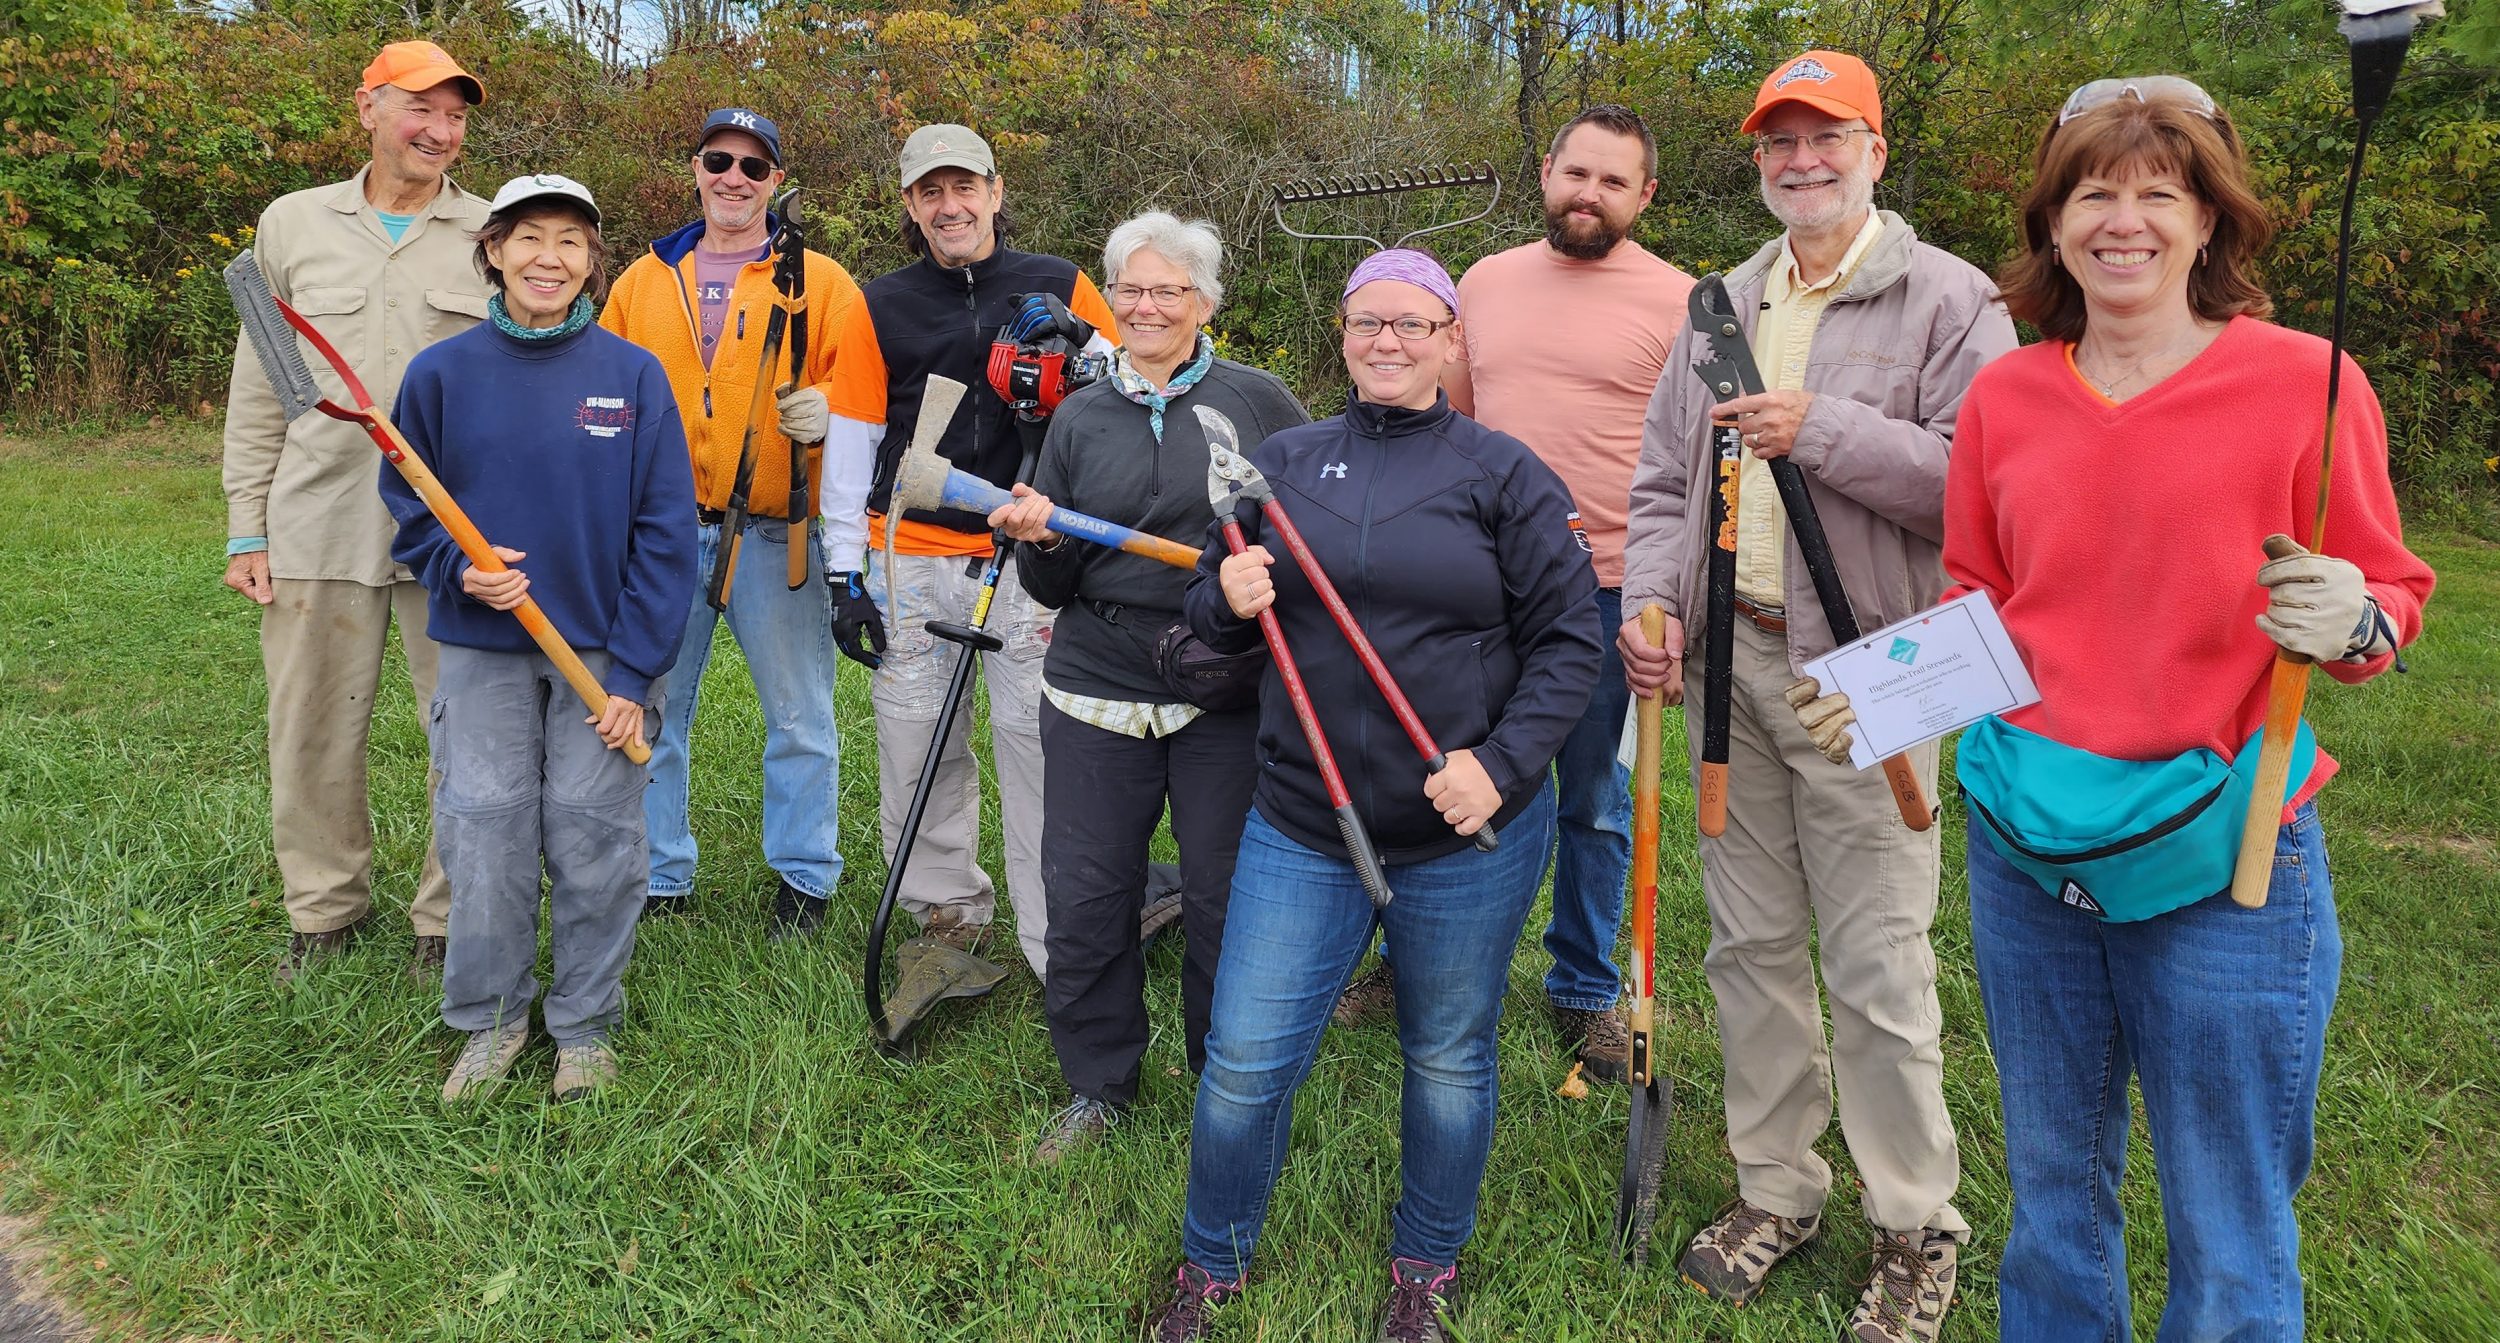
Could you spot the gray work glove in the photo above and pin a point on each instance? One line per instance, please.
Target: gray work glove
(2318, 607)
(1826, 718)
(804, 416)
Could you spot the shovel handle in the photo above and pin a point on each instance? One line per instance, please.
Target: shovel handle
(2287, 693)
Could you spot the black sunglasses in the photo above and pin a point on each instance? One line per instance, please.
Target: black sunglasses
(717, 161)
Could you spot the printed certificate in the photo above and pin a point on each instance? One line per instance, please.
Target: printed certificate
(1935, 673)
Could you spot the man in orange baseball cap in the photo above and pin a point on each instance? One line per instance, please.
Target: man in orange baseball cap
(382, 263)
(1865, 339)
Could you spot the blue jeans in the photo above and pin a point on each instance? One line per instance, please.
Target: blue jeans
(1297, 924)
(1592, 837)
(2220, 1013)
(788, 641)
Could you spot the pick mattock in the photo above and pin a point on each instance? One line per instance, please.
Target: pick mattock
(1653, 1095)
(1731, 374)
(266, 318)
(1227, 460)
(2377, 41)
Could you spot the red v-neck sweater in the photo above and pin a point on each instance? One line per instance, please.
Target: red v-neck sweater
(2121, 541)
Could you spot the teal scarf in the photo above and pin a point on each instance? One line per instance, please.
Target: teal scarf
(1136, 387)
(572, 324)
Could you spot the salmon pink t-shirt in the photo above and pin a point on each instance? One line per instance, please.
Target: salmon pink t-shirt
(1563, 356)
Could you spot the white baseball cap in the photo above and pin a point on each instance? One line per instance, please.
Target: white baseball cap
(521, 190)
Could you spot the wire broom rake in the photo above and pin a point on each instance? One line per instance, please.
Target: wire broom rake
(1355, 186)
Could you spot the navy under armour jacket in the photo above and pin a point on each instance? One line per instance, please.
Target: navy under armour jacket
(1452, 544)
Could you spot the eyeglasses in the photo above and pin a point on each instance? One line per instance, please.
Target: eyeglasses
(717, 161)
(1823, 142)
(1364, 326)
(1165, 295)
(2145, 88)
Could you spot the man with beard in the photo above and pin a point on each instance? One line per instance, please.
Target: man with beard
(938, 315)
(1575, 394)
(1868, 339)
(381, 263)
(701, 300)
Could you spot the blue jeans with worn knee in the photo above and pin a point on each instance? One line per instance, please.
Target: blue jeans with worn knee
(1592, 837)
(787, 637)
(2220, 1014)
(1297, 924)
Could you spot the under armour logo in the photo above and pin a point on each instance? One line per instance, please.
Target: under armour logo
(1806, 68)
(743, 119)
(1336, 469)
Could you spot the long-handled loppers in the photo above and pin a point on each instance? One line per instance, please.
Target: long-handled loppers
(1226, 459)
(1730, 374)
(266, 318)
(1653, 1095)
(742, 485)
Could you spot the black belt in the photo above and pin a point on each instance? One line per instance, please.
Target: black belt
(714, 517)
(1111, 612)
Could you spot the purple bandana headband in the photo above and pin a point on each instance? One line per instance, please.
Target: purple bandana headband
(1405, 263)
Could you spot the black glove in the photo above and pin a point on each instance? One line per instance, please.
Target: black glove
(858, 627)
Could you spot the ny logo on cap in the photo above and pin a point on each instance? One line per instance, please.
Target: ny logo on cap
(742, 119)
(1805, 68)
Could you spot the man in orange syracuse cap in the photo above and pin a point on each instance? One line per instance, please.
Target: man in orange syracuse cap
(1866, 339)
(381, 264)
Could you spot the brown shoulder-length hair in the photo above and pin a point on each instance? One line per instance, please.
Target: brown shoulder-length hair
(499, 229)
(2161, 134)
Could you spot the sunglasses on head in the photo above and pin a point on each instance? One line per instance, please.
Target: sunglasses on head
(2144, 88)
(717, 161)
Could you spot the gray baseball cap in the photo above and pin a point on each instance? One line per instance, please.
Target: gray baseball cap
(539, 186)
(945, 145)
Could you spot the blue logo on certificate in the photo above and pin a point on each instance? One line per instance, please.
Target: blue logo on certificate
(1904, 652)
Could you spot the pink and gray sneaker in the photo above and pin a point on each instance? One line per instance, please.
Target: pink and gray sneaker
(1190, 1314)
(1419, 1293)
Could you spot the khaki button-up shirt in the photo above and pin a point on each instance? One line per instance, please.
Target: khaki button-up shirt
(310, 486)
(1782, 340)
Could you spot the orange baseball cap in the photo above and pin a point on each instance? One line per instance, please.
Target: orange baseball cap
(1832, 82)
(418, 66)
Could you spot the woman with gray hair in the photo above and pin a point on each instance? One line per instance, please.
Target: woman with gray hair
(1124, 730)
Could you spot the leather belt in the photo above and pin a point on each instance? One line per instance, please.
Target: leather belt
(1767, 619)
(710, 517)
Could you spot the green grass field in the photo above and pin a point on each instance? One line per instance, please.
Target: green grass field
(209, 1154)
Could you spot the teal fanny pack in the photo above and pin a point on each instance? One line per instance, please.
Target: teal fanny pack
(2120, 839)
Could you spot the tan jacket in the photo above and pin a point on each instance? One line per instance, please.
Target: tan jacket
(310, 486)
(1895, 351)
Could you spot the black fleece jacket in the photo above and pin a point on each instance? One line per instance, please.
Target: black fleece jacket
(1452, 545)
(1101, 458)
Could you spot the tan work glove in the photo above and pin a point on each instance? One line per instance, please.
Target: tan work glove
(1826, 718)
(2318, 607)
(805, 415)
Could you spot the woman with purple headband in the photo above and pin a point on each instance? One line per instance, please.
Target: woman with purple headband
(1453, 545)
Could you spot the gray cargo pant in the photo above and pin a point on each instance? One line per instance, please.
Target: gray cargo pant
(525, 779)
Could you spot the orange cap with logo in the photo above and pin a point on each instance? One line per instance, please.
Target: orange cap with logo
(1831, 82)
(418, 66)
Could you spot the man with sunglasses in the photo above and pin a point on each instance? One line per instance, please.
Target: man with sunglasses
(702, 300)
(1868, 339)
(938, 315)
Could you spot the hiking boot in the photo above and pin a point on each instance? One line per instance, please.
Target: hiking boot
(1600, 1039)
(484, 1060)
(1084, 1120)
(584, 1068)
(1908, 1288)
(1418, 1294)
(302, 949)
(972, 939)
(1730, 1257)
(1372, 997)
(426, 962)
(663, 906)
(1190, 1313)
(795, 914)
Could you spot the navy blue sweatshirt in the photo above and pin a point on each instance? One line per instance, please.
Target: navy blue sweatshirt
(573, 452)
(1452, 544)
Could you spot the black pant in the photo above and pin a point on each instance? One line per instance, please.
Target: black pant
(1102, 794)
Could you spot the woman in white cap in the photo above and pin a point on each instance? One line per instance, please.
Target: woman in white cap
(563, 444)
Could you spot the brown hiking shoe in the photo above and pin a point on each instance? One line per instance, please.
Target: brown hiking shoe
(972, 939)
(1730, 1257)
(426, 963)
(1372, 997)
(302, 949)
(1600, 1038)
(1190, 1314)
(483, 1061)
(1908, 1288)
(1079, 1124)
(584, 1068)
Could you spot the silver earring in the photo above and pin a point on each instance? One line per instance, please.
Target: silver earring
(2054, 258)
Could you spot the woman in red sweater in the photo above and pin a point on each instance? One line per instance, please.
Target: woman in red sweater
(2111, 488)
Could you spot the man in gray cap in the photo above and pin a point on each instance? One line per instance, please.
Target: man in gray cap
(909, 324)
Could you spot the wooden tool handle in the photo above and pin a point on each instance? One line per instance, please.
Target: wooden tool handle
(2287, 693)
(465, 534)
(1713, 799)
(798, 552)
(1907, 796)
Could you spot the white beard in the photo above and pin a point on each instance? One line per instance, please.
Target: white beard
(1856, 194)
